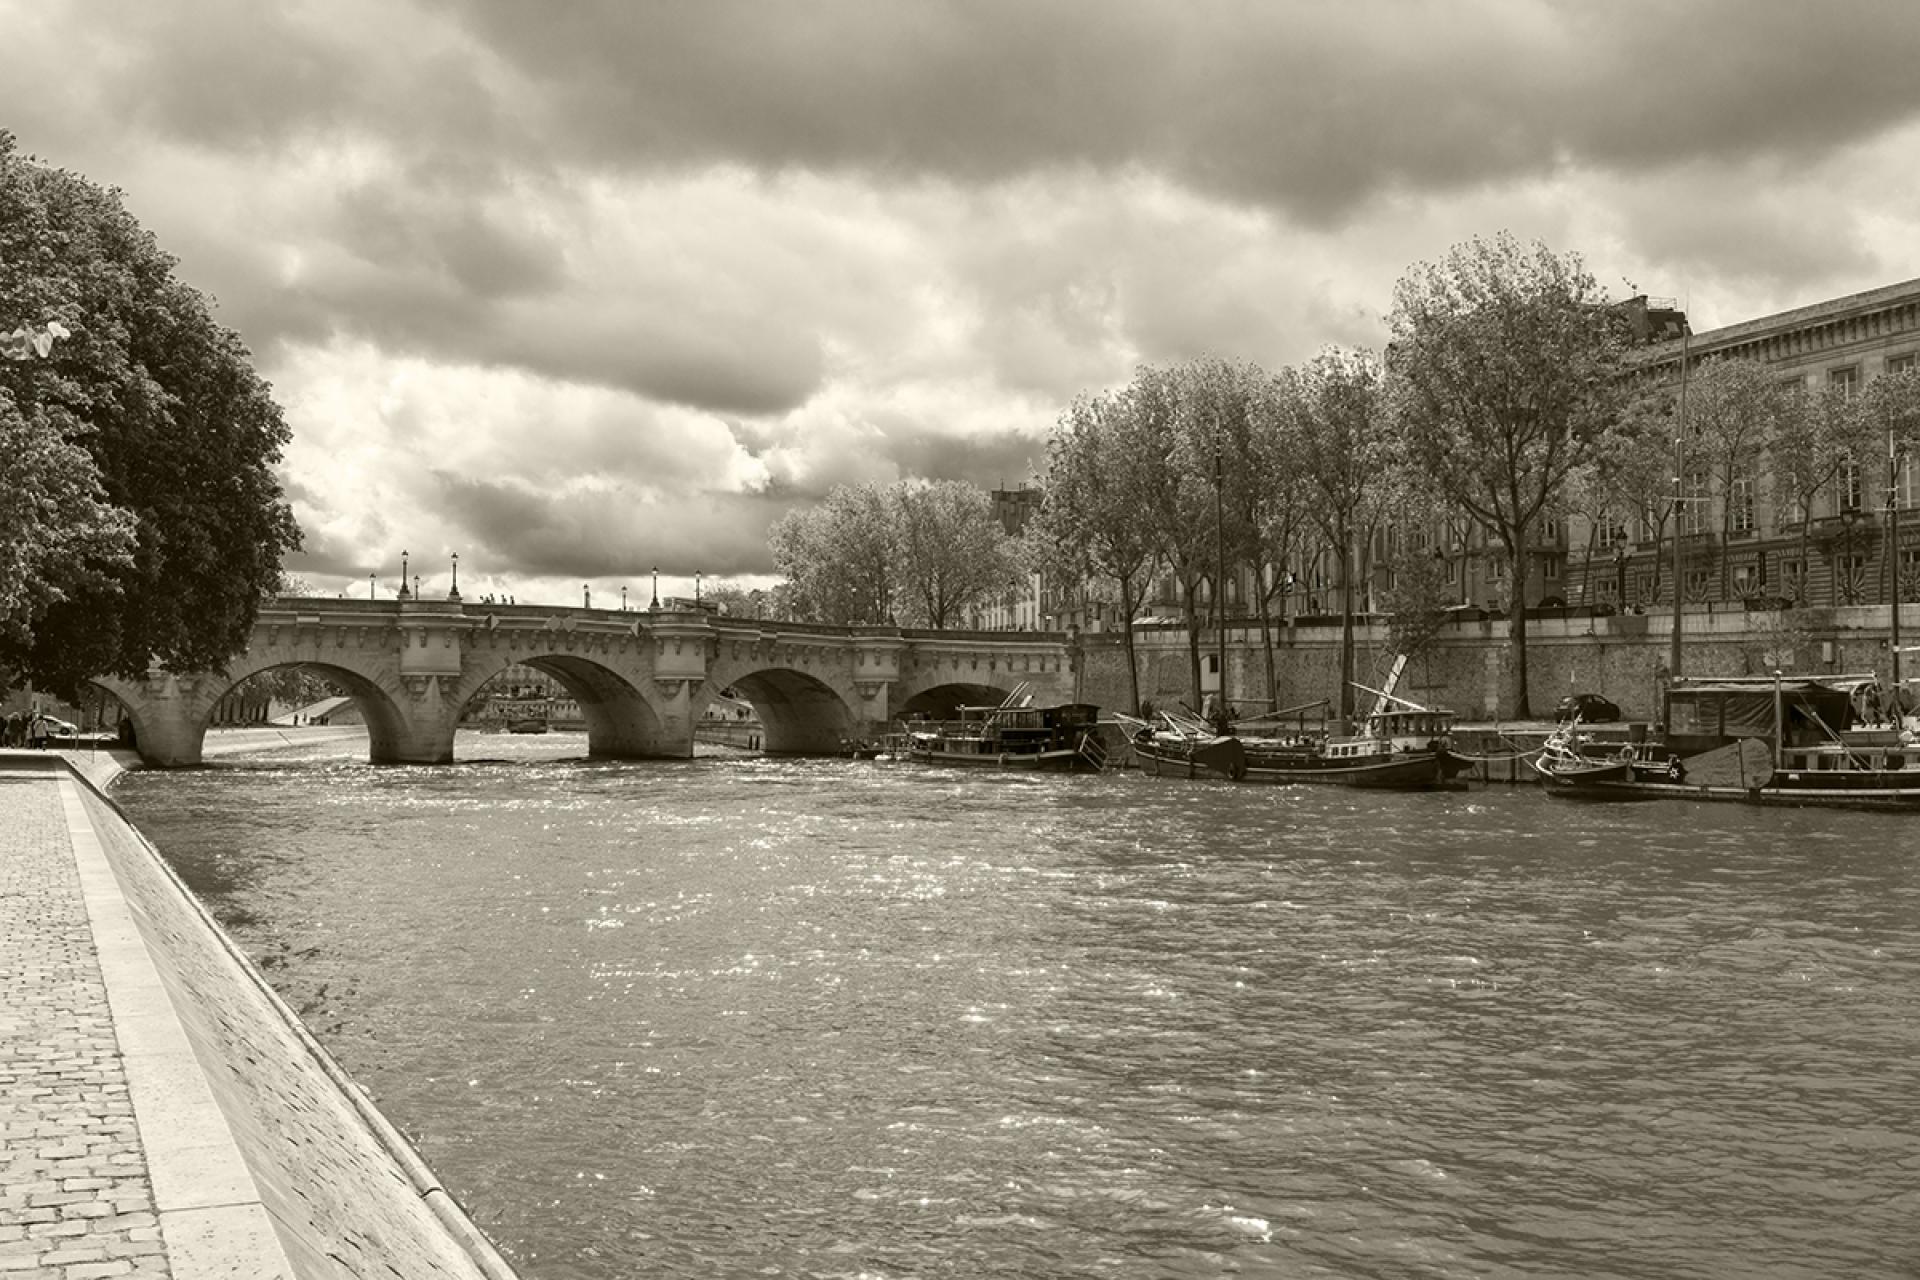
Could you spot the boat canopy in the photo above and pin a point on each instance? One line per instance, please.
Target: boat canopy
(1743, 706)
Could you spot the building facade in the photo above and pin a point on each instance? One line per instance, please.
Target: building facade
(1742, 540)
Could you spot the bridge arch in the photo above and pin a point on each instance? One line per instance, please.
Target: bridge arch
(623, 721)
(943, 701)
(170, 715)
(801, 714)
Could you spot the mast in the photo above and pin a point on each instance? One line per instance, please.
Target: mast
(1679, 472)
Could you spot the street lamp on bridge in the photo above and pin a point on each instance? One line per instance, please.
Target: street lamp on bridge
(586, 595)
(623, 598)
(696, 586)
(455, 593)
(656, 588)
(403, 575)
(373, 591)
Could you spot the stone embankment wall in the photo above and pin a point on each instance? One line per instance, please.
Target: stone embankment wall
(346, 1193)
(1469, 668)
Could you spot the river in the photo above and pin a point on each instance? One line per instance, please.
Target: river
(747, 1016)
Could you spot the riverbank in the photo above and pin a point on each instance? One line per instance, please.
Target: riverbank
(165, 1113)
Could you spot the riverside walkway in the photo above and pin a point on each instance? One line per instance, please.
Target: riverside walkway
(161, 1113)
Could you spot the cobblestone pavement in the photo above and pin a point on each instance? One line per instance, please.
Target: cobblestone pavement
(75, 1198)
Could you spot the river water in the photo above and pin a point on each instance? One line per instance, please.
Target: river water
(741, 1016)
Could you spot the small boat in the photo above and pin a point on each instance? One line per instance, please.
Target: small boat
(1182, 746)
(1384, 754)
(1401, 746)
(527, 726)
(1785, 740)
(1012, 735)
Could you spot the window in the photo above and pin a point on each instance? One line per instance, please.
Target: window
(1746, 580)
(1553, 567)
(1902, 363)
(1910, 575)
(1846, 485)
(1646, 526)
(1699, 584)
(1849, 578)
(1793, 579)
(1694, 502)
(1453, 571)
(1740, 503)
(1903, 478)
(1846, 381)
(1613, 531)
(1496, 568)
(1550, 529)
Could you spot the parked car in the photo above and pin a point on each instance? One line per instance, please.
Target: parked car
(1589, 708)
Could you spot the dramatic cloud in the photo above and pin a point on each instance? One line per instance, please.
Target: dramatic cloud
(576, 290)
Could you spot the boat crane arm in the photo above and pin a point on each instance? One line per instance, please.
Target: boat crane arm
(1385, 697)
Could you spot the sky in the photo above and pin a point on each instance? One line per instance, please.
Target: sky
(579, 289)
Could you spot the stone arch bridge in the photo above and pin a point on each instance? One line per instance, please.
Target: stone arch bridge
(641, 679)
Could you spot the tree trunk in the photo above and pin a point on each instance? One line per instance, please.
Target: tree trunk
(1517, 623)
(1266, 644)
(1193, 643)
(1129, 606)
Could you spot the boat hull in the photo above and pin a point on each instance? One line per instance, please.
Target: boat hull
(1058, 761)
(1436, 770)
(1871, 792)
(1217, 757)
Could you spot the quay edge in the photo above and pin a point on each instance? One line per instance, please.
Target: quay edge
(345, 1193)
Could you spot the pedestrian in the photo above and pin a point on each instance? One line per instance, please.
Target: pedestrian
(11, 732)
(37, 732)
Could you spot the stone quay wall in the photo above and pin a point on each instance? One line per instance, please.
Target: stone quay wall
(1469, 667)
(347, 1195)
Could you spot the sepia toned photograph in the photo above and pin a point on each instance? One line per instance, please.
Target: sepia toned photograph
(911, 639)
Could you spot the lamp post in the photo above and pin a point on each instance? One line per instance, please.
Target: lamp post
(586, 595)
(1895, 453)
(623, 598)
(416, 586)
(373, 591)
(1679, 470)
(455, 593)
(403, 576)
(656, 588)
(696, 587)
(1225, 717)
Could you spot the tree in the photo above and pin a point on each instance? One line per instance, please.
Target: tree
(1099, 470)
(840, 558)
(1273, 498)
(914, 551)
(1341, 433)
(1889, 411)
(1816, 435)
(1178, 506)
(164, 550)
(1220, 411)
(1732, 408)
(1505, 364)
(953, 552)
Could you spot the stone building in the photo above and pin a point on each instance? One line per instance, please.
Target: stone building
(1742, 542)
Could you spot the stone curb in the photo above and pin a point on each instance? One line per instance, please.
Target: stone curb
(458, 1226)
